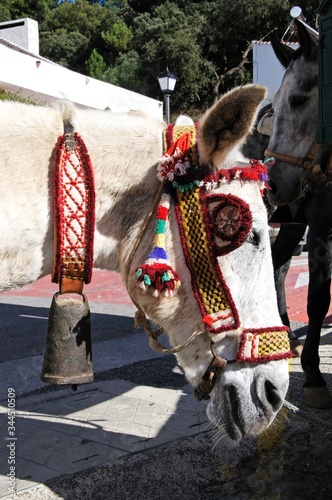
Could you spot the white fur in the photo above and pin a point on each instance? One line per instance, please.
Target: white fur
(124, 150)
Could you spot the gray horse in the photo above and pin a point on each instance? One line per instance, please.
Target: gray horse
(291, 218)
(292, 177)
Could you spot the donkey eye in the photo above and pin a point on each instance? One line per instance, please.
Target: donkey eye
(254, 238)
(297, 101)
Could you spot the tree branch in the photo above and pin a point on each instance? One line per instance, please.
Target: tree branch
(221, 78)
(244, 60)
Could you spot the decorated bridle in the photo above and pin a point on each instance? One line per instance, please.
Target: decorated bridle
(211, 224)
(304, 162)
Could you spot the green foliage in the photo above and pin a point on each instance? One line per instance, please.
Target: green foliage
(168, 37)
(119, 37)
(68, 49)
(4, 13)
(96, 65)
(17, 9)
(127, 73)
(6, 95)
(79, 16)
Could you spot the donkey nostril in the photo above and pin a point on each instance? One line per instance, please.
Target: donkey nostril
(273, 396)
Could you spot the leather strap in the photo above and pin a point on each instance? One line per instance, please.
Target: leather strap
(293, 160)
(72, 277)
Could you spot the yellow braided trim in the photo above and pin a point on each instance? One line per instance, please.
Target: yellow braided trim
(273, 343)
(182, 129)
(178, 131)
(262, 346)
(210, 290)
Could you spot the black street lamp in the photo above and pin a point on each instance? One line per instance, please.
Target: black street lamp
(167, 81)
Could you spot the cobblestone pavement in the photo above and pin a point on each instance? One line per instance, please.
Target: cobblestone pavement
(136, 431)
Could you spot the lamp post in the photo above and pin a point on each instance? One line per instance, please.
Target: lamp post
(167, 81)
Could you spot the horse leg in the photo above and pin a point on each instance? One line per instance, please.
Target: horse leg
(282, 251)
(315, 391)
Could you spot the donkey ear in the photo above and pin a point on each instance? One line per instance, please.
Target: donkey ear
(284, 53)
(228, 123)
(307, 43)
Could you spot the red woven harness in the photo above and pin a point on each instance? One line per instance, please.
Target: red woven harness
(74, 213)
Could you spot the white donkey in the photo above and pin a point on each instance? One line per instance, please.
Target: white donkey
(237, 351)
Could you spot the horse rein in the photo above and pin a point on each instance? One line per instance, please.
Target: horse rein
(304, 162)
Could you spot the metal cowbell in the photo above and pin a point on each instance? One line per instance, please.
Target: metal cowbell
(68, 356)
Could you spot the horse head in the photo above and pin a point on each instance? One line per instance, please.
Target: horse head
(295, 118)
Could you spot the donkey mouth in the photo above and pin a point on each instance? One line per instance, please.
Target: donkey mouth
(234, 426)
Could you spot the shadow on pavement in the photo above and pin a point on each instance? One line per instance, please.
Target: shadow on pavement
(137, 432)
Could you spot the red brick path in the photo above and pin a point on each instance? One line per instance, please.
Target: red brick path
(108, 287)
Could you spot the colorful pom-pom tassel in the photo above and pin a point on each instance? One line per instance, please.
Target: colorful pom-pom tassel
(156, 273)
(160, 278)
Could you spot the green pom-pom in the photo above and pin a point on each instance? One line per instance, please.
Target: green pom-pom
(139, 272)
(165, 277)
(147, 280)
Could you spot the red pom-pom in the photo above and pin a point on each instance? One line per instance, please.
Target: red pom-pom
(160, 278)
(208, 320)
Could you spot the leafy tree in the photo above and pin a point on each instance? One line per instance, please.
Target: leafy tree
(80, 16)
(4, 13)
(96, 65)
(167, 37)
(127, 73)
(68, 49)
(35, 9)
(141, 6)
(79, 23)
(119, 37)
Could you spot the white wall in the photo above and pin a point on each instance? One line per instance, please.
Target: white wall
(47, 81)
(22, 32)
(267, 70)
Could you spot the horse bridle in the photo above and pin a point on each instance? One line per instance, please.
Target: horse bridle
(254, 346)
(304, 162)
